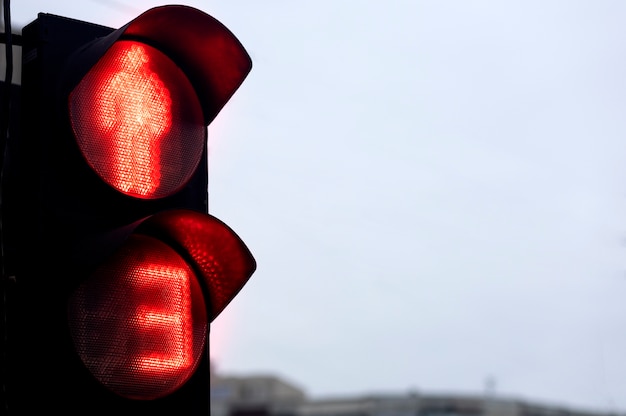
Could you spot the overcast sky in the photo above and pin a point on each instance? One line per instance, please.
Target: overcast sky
(434, 191)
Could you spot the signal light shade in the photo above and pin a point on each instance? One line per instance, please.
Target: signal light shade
(220, 257)
(138, 121)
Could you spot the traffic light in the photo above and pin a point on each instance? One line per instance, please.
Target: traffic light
(116, 269)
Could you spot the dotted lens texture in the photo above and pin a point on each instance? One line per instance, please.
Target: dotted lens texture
(139, 322)
(138, 121)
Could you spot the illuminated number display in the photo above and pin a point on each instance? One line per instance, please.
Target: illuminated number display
(139, 322)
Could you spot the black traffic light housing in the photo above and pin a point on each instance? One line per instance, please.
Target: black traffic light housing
(73, 232)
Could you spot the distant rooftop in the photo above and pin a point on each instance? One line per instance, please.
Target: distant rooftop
(270, 395)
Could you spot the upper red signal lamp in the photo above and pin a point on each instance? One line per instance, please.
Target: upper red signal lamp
(139, 111)
(138, 121)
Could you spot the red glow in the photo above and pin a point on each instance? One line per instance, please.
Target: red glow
(139, 322)
(138, 121)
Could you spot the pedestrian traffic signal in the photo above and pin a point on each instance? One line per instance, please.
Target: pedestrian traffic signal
(118, 268)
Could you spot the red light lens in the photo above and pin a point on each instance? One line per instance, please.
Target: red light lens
(139, 322)
(138, 121)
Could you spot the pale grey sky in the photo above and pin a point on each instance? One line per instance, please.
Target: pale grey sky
(434, 191)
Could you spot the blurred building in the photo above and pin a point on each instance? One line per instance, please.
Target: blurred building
(255, 396)
(272, 396)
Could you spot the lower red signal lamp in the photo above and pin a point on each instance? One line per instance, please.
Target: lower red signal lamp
(139, 322)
